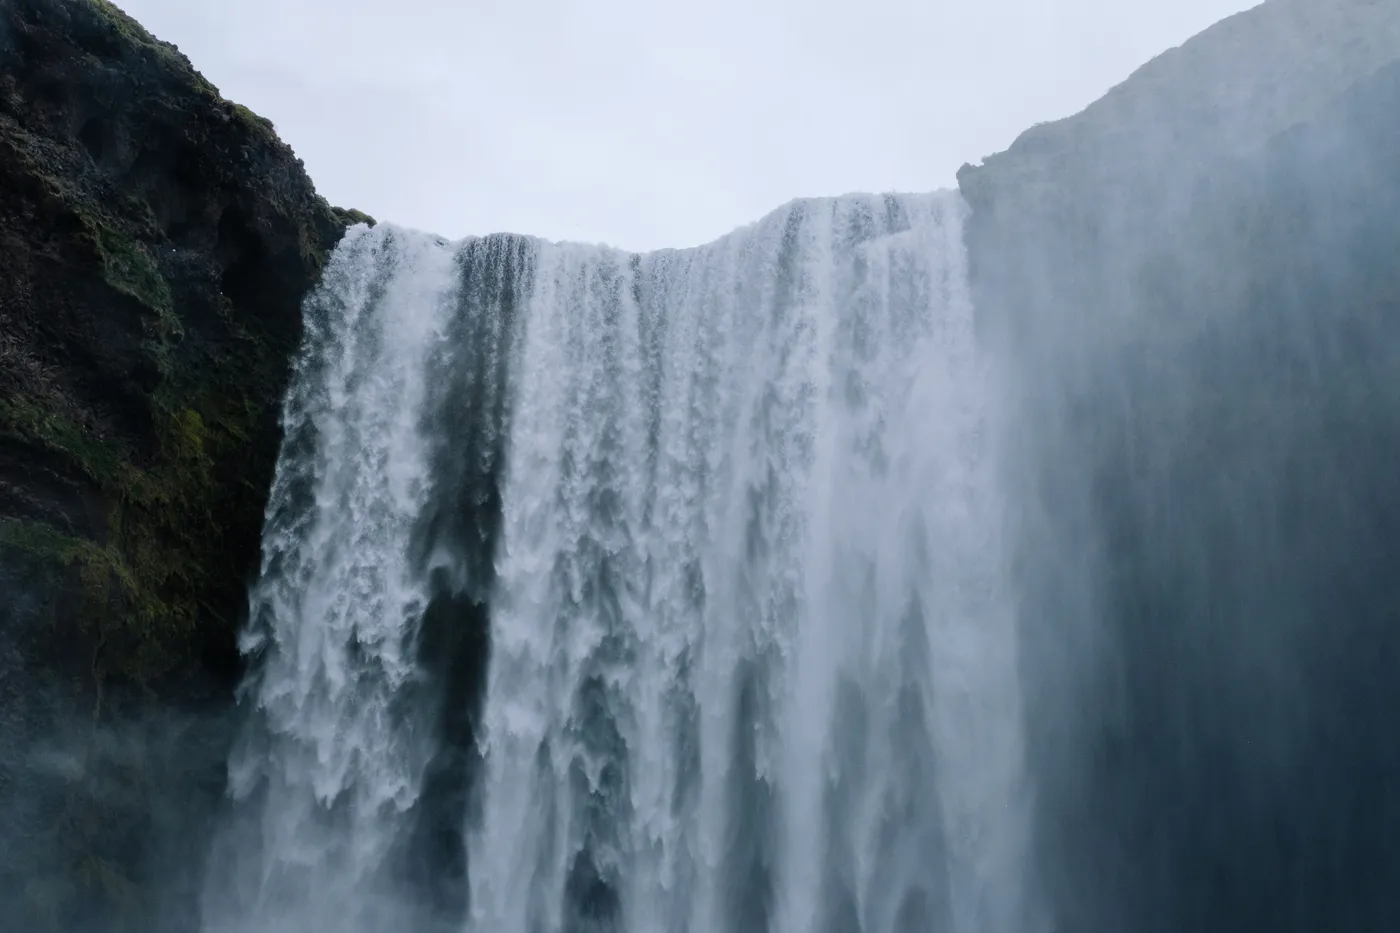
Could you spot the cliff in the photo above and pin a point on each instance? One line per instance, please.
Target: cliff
(155, 244)
(1225, 91)
(1195, 286)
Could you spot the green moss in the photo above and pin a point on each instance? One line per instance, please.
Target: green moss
(184, 438)
(350, 217)
(256, 121)
(106, 464)
(182, 478)
(97, 567)
(135, 34)
(183, 490)
(124, 24)
(131, 270)
(138, 597)
(143, 586)
(44, 542)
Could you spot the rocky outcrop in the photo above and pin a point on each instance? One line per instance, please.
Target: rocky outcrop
(1227, 90)
(155, 243)
(1196, 286)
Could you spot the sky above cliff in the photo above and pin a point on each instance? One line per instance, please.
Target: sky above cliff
(646, 124)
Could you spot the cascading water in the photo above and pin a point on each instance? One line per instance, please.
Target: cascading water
(730, 516)
(330, 764)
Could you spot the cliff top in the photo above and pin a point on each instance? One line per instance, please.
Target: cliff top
(1227, 89)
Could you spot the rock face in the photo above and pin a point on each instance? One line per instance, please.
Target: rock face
(1226, 91)
(155, 243)
(1197, 285)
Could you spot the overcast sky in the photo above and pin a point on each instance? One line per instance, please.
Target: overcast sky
(646, 123)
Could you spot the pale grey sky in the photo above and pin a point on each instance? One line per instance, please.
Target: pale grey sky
(646, 123)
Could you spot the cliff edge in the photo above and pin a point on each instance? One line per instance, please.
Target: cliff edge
(1227, 90)
(155, 244)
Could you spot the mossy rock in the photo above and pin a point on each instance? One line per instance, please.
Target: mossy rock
(129, 267)
(260, 123)
(156, 242)
(164, 238)
(350, 217)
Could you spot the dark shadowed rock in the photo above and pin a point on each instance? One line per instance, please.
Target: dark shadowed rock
(155, 244)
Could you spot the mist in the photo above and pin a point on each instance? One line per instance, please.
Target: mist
(1198, 323)
(108, 802)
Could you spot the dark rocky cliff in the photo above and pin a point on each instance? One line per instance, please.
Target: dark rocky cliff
(1197, 285)
(155, 243)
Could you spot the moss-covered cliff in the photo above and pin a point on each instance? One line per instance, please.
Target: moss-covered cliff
(155, 244)
(1195, 287)
(158, 240)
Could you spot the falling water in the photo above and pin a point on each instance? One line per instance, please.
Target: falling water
(730, 518)
(331, 768)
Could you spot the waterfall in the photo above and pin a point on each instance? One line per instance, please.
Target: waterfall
(330, 762)
(621, 592)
